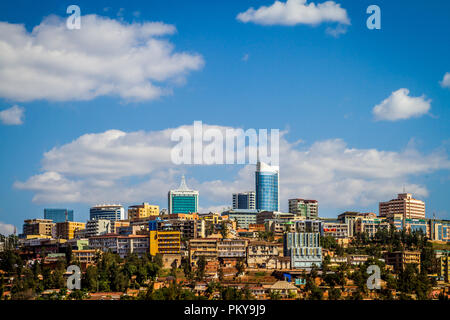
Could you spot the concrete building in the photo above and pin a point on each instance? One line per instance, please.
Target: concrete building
(113, 212)
(399, 259)
(404, 205)
(304, 249)
(232, 248)
(304, 208)
(335, 229)
(244, 200)
(183, 199)
(260, 254)
(243, 217)
(202, 247)
(122, 245)
(370, 226)
(144, 210)
(440, 230)
(97, 227)
(38, 227)
(163, 242)
(189, 229)
(66, 230)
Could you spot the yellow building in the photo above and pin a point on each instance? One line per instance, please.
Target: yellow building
(66, 230)
(184, 216)
(144, 210)
(165, 242)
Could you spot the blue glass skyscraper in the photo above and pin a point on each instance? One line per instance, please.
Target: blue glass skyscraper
(267, 187)
(58, 215)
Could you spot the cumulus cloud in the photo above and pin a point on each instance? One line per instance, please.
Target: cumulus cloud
(445, 83)
(12, 116)
(400, 105)
(118, 166)
(294, 12)
(6, 229)
(105, 57)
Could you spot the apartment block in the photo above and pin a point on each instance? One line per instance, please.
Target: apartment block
(261, 254)
(399, 259)
(207, 248)
(38, 227)
(304, 249)
(404, 205)
(305, 208)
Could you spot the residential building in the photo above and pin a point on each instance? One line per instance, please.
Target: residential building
(267, 187)
(183, 200)
(189, 229)
(304, 208)
(260, 254)
(38, 227)
(202, 247)
(113, 212)
(399, 259)
(144, 210)
(97, 227)
(244, 200)
(58, 215)
(405, 205)
(304, 249)
(232, 248)
(440, 230)
(66, 230)
(85, 257)
(443, 268)
(262, 216)
(314, 226)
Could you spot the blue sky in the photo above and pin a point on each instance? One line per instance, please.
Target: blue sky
(297, 78)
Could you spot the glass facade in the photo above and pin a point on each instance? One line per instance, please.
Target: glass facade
(266, 191)
(184, 203)
(113, 213)
(58, 215)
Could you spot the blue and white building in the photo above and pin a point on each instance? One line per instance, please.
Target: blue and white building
(267, 187)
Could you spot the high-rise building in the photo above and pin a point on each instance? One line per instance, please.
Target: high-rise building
(141, 211)
(304, 208)
(111, 212)
(58, 215)
(183, 200)
(244, 200)
(404, 205)
(267, 187)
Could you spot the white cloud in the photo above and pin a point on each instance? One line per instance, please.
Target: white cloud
(399, 106)
(12, 116)
(293, 12)
(116, 166)
(445, 83)
(6, 229)
(105, 57)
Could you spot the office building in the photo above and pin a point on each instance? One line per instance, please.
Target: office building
(58, 215)
(440, 230)
(243, 217)
(244, 200)
(304, 249)
(111, 212)
(183, 200)
(335, 229)
(267, 187)
(304, 208)
(122, 245)
(405, 205)
(163, 242)
(142, 211)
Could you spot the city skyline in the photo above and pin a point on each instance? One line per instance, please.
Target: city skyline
(362, 113)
